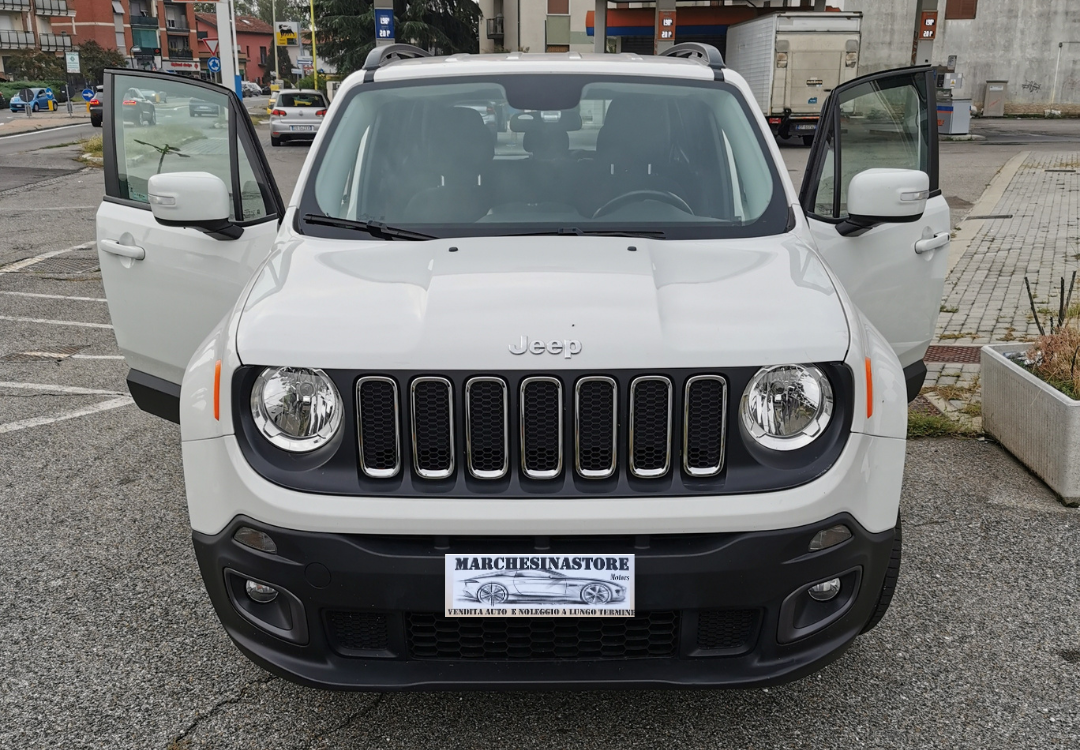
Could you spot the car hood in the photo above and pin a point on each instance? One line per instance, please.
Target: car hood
(629, 303)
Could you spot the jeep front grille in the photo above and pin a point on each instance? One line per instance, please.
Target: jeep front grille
(541, 427)
(433, 427)
(487, 429)
(703, 434)
(378, 421)
(596, 426)
(650, 426)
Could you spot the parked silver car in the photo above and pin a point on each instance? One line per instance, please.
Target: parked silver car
(296, 116)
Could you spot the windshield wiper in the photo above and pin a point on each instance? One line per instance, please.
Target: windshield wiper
(374, 228)
(656, 234)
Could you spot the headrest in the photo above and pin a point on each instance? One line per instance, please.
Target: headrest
(636, 129)
(459, 141)
(565, 120)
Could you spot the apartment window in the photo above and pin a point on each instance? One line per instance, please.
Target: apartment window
(961, 10)
(262, 55)
(558, 7)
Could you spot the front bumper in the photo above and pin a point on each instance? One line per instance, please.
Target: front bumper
(364, 612)
(284, 130)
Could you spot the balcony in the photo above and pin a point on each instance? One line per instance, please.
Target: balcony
(143, 22)
(53, 8)
(55, 42)
(16, 39)
(495, 27)
(14, 6)
(180, 53)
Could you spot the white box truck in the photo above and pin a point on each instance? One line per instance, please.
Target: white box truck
(792, 61)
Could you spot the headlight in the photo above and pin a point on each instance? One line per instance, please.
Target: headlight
(786, 406)
(296, 409)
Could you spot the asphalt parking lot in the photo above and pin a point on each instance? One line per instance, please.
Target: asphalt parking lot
(109, 641)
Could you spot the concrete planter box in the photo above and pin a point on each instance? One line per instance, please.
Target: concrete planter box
(1038, 424)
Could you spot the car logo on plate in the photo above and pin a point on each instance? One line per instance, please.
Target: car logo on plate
(567, 347)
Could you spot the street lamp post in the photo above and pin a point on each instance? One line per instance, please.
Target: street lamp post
(314, 54)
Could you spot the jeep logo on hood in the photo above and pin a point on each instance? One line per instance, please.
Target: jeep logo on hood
(567, 347)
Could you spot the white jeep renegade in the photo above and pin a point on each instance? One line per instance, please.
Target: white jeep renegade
(545, 375)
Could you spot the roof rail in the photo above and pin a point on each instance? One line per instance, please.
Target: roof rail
(707, 53)
(379, 56)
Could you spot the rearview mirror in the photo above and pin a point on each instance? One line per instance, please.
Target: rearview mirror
(198, 200)
(880, 196)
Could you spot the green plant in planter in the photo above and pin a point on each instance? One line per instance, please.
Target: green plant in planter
(1055, 356)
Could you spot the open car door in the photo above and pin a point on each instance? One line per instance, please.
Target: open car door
(168, 284)
(884, 234)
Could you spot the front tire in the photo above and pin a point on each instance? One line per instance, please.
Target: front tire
(95, 123)
(888, 588)
(595, 593)
(492, 594)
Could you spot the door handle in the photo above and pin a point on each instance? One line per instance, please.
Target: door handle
(125, 251)
(938, 240)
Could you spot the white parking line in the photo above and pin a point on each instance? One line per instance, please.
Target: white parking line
(73, 390)
(46, 321)
(115, 403)
(96, 356)
(21, 264)
(41, 130)
(55, 296)
(48, 208)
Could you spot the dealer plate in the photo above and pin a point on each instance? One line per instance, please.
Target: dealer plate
(301, 128)
(494, 585)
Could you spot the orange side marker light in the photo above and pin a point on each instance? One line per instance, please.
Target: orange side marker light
(869, 390)
(217, 388)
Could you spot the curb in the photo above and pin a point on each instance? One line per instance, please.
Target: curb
(42, 130)
(966, 137)
(983, 207)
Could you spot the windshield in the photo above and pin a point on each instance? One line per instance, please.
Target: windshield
(522, 154)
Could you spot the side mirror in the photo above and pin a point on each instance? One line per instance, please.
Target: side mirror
(880, 196)
(198, 200)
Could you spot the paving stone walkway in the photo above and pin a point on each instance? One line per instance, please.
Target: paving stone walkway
(1037, 236)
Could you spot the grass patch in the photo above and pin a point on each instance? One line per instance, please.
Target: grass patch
(973, 409)
(955, 336)
(923, 425)
(92, 146)
(259, 119)
(948, 309)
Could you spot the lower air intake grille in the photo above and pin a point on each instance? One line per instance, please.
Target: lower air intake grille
(650, 426)
(726, 630)
(432, 636)
(541, 427)
(380, 444)
(595, 400)
(703, 439)
(433, 427)
(486, 417)
(356, 631)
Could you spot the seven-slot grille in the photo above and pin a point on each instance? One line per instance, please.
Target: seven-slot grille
(595, 409)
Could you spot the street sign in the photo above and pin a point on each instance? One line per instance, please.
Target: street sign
(212, 45)
(87, 94)
(287, 34)
(384, 23)
(72, 61)
(214, 64)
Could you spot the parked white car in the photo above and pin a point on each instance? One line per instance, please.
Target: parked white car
(296, 116)
(624, 349)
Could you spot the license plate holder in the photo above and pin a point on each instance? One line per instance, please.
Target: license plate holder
(301, 128)
(572, 585)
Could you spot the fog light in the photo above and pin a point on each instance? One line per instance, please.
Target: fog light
(255, 539)
(822, 592)
(263, 594)
(830, 537)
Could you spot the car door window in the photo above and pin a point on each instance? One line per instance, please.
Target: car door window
(189, 131)
(882, 122)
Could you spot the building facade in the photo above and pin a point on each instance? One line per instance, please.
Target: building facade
(571, 25)
(254, 40)
(151, 34)
(1033, 45)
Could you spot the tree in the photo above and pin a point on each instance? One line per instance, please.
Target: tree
(35, 65)
(93, 59)
(346, 28)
